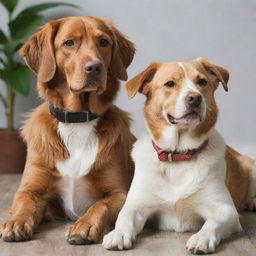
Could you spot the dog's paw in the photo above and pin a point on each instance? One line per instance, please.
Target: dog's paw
(83, 232)
(17, 230)
(201, 243)
(118, 240)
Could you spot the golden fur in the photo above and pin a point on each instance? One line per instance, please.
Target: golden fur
(60, 70)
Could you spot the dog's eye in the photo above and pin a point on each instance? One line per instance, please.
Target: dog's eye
(202, 82)
(212, 73)
(169, 84)
(69, 43)
(104, 42)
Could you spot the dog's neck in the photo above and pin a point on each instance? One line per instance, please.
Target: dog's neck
(57, 92)
(173, 138)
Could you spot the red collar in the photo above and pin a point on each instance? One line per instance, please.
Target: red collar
(174, 156)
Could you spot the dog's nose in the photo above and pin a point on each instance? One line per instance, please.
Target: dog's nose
(93, 67)
(193, 99)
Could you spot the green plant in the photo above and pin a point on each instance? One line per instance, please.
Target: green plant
(16, 76)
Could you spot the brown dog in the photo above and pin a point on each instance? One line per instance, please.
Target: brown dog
(78, 162)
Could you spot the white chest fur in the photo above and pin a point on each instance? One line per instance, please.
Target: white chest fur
(81, 141)
(172, 187)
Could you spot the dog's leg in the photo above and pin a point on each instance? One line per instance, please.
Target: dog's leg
(221, 222)
(28, 208)
(28, 211)
(129, 223)
(96, 221)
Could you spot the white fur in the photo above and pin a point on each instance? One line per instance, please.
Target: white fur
(81, 142)
(172, 139)
(169, 138)
(188, 86)
(182, 195)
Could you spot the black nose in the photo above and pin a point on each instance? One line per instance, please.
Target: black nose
(193, 99)
(93, 67)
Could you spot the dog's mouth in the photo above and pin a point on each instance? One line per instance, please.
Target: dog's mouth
(188, 118)
(89, 86)
(83, 89)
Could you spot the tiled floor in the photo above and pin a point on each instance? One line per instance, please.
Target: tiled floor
(49, 240)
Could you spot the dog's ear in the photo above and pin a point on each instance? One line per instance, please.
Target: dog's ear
(221, 73)
(38, 52)
(139, 82)
(123, 53)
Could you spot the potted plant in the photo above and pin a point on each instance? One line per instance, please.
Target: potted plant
(16, 77)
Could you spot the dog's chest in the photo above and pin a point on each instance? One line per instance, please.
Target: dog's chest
(180, 180)
(81, 141)
(176, 190)
(178, 186)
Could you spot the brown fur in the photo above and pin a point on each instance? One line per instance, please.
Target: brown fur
(238, 177)
(151, 82)
(59, 70)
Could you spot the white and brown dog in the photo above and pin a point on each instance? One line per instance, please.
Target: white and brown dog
(185, 174)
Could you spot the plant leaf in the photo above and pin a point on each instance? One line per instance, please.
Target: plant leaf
(18, 46)
(19, 79)
(2, 62)
(3, 38)
(23, 25)
(9, 4)
(11, 47)
(2, 74)
(41, 7)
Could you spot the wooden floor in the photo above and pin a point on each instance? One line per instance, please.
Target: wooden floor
(49, 239)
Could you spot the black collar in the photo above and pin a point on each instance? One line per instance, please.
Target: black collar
(72, 117)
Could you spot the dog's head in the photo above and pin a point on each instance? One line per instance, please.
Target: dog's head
(180, 94)
(81, 51)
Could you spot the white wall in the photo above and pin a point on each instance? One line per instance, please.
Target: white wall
(173, 30)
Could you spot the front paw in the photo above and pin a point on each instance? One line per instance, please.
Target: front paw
(83, 232)
(202, 243)
(118, 240)
(17, 230)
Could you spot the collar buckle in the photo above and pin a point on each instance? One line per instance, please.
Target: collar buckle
(170, 157)
(66, 116)
(87, 116)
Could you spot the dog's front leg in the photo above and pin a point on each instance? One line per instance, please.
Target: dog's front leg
(132, 217)
(28, 212)
(221, 222)
(29, 204)
(97, 220)
(129, 223)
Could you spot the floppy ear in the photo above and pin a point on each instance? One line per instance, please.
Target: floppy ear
(138, 82)
(38, 52)
(123, 52)
(221, 73)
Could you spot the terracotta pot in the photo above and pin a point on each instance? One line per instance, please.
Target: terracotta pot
(12, 152)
